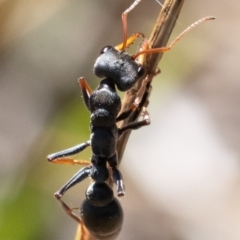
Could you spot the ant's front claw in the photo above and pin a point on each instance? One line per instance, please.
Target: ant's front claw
(50, 157)
(57, 195)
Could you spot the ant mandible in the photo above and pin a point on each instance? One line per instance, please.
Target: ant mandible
(121, 70)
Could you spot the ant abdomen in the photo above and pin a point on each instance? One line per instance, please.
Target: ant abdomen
(119, 66)
(101, 212)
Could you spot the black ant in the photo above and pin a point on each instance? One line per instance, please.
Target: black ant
(101, 212)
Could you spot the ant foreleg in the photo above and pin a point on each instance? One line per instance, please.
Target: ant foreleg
(60, 157)
(129, 41)
(167, 48)
(77, 178)
(124, 22)
(86, 90)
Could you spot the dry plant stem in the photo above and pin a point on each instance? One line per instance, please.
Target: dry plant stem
(159, 38)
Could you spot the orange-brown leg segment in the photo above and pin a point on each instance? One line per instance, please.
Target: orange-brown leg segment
(165, 49)
(71, 161)
(86, 90)
(62, 156)
(81, 231)
(69, 211)
(129, 41)
(84, 85)
(124, 22)
(144, 47)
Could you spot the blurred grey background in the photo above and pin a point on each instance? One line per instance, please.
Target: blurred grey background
(182, 173)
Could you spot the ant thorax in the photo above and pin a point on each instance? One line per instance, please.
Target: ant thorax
(104, 104)
(104, 142)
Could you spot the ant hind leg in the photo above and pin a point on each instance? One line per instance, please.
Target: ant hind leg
(77, 178)
(116, 175)
(69, 211)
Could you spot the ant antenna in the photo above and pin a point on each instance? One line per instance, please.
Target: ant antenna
(165, 49)
(124, 21)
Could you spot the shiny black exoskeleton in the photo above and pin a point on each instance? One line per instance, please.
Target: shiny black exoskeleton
(119, 66)
(101, 212)
(104, 105)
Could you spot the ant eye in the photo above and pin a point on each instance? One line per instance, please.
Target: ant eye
(105, 49)
(141, 71)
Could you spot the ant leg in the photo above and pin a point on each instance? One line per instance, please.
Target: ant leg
(138, 99)
(70, 151)
(69, 211)
(129, 41)
(116, 175)
(136, 125)
(144, 47)
(71, 161)
(117, 178)
(165, 49)
(126, 113)
(141, 91)
(124, 22)
(77, 178)
(60, 157)
(86, 90)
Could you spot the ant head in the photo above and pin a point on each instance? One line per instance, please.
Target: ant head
(119, 66)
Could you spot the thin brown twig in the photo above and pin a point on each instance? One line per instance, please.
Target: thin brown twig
(159, 37)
